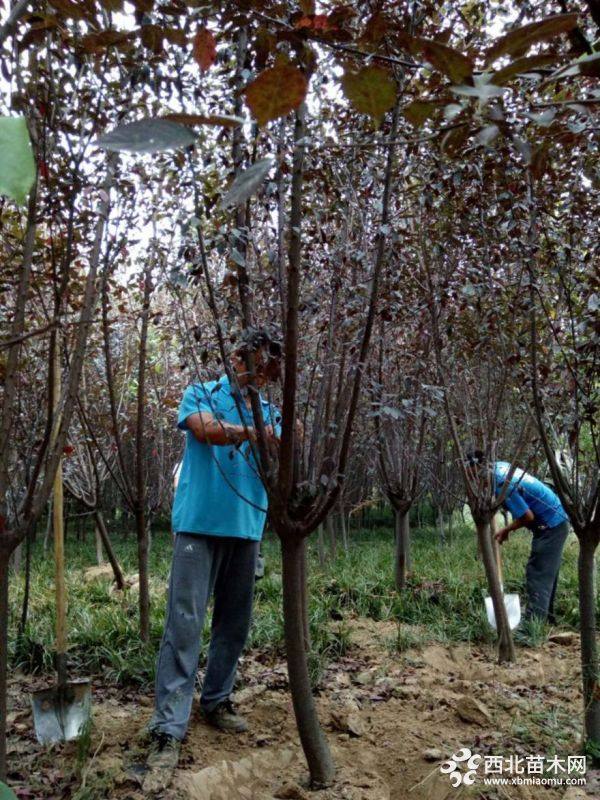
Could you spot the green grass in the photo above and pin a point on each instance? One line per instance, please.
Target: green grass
(444, 598)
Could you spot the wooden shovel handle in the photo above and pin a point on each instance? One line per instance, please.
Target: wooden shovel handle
(496, 550)
(59, 536)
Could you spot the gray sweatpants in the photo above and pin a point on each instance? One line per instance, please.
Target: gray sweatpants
(203, 565)
(542, 571)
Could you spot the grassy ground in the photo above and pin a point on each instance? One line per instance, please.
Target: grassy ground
(444, 599)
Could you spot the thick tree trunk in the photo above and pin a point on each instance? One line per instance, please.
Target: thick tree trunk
(110, 553)
(4, 559)
(314, 743)
(590, 666)
(506, 646)
(304, 583)
(402, 527)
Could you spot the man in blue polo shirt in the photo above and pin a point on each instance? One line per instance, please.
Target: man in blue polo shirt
(532, 504)
(219, 514)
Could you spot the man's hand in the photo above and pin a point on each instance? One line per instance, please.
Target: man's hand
(502, 535)
(272, 437)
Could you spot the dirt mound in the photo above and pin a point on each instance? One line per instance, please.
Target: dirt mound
(391, 720)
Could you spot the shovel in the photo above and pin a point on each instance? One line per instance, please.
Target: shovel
(60, 713)
(511, 601)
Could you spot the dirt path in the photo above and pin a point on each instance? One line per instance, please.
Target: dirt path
(391, 719)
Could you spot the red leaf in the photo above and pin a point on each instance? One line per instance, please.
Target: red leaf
(204, 49)
(315, 22)
(68, 449)
(276, 92)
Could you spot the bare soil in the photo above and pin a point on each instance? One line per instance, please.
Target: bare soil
(390, 718)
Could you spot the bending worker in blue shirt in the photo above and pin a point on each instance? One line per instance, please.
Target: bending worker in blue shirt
(532, 504)
(219, 515)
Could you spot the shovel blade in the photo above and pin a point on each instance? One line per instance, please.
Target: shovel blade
(61, 713)
(513, 610)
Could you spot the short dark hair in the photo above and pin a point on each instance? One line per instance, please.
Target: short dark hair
(475, 458)
(256, 339)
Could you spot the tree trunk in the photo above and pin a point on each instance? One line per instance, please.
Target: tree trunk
(590, 667)
(304, 584)
(110, 553)
(16, 558)
(4, 559)
(142, 551)
(140, 466)
(99, 553)
(48, 525)
(402, 526)
(314, 743)
(344, 530)
(332, 537)
(321, 547)
(30, 538)
(440, 524)
(506, 646)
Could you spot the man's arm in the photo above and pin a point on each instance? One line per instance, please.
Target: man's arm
(209, 430)
(520, 522)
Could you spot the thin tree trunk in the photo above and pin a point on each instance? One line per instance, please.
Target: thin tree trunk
(4, 557)
(314, 743)
(48, 525)
(506, 646)
(99, 553)
(332, 537)
(140, 473)
(590, 666)
(321, 546)
(440, 524)
(27, 587)
(110, 553)
(16, 558)
(402, 548)
(142, 553)
(344, 530)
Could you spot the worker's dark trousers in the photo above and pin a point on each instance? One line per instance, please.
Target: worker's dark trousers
(203, 565)
(542, 571)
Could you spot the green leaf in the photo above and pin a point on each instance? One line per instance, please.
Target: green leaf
(518, 41)
(371, 90)
(276, 92)
(446, 59)
(17, 165)
(146, 136)
(247, 182)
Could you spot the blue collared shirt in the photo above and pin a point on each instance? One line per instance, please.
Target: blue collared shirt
(220, 492)
(528, 493)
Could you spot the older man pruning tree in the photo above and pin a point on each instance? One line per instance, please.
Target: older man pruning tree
(532, 504)
(218, 518)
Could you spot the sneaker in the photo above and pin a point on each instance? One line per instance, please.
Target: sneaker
(225, 718)
(163, 755)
